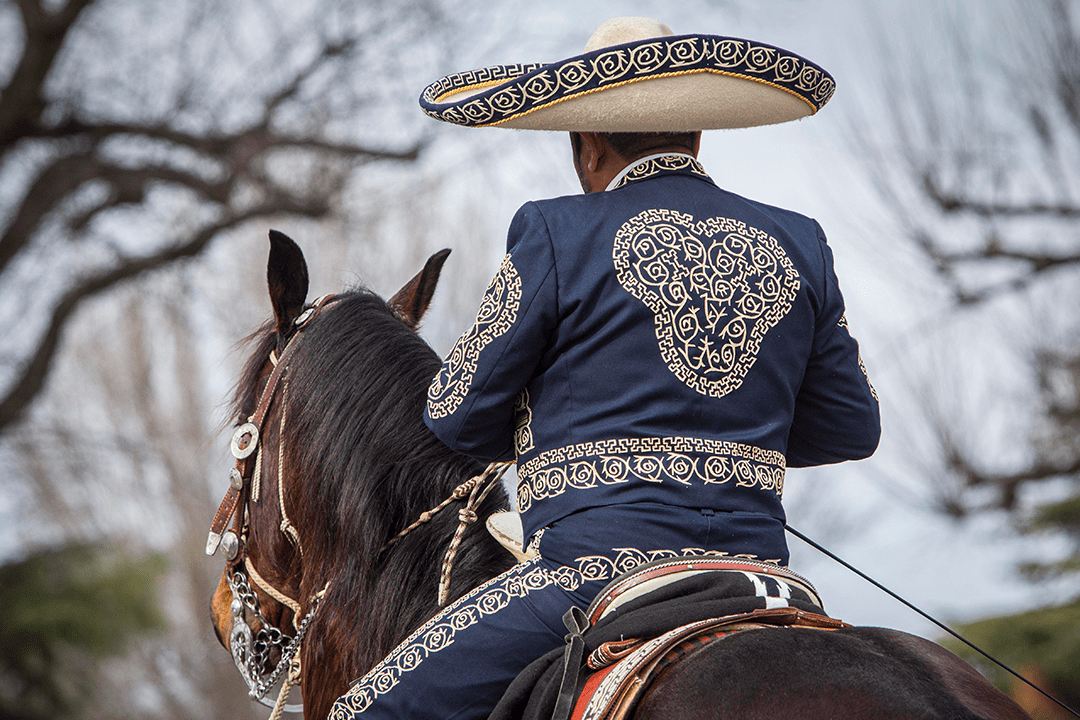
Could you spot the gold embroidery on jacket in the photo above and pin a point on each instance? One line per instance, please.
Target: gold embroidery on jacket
(715, 286)
(843, 324)
(497, 314)
(523, 437)
(660, 164)
(685, 460)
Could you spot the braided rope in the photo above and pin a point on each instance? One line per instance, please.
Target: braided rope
(459, 493)
(291, 680)
(256, 480)
(270, 589)
(467, 516)
(287, 527)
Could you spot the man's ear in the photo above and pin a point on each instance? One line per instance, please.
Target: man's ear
(593, 151)
(590, 153)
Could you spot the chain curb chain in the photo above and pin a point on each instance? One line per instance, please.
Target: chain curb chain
(250, 659)
(289, 652)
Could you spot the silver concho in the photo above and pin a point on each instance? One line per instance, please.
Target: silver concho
(236, 480)
(304, 317)
(230, 545)
(244, 441)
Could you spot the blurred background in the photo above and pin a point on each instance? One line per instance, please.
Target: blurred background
(146, 147)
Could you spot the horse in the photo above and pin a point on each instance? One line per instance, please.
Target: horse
(334, 461)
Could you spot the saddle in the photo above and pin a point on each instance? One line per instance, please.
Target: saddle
(621, 670)
(648, 619)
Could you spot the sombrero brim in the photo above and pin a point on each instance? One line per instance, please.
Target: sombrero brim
(665, 84)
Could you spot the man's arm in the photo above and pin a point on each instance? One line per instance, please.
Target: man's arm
(471, 400)
(836, 411)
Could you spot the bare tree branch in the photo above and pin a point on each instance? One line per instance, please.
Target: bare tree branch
(32, 377)
(67, 173)
(955, 203)
(23, 100)
(978, 162)
(229, 175)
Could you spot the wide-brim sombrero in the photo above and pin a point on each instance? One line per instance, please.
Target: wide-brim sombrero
(637, 76)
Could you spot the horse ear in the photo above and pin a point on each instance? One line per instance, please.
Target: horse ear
(287, 279)
(412, 300)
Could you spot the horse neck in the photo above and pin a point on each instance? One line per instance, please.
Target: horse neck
(381, 592)
(364, 467)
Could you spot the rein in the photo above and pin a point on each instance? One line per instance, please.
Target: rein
(477, 488)
(935, 621)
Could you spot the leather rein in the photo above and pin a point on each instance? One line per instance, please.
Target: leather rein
(249, 648)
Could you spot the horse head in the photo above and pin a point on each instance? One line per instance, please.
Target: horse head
(333, 460)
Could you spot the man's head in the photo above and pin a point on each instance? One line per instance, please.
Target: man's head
(599, 157)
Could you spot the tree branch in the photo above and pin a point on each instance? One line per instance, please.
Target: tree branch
(952, 203)
(32, 378)
(1006, 484)
(67, 173)
(23, 100)
(289, 91)
(52, 186)
(945, 263)
(237, 158)
(213, 144)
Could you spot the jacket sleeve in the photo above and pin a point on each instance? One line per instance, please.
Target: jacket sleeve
(836, 410)
(471, 400)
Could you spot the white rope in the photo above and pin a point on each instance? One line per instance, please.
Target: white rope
(256, 480)
(270, 589)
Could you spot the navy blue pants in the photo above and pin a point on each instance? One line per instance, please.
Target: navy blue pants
(458, 664)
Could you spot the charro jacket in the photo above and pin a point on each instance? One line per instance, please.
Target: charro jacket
(664, 341)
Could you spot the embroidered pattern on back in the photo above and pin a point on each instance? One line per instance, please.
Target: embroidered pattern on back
(715, 286)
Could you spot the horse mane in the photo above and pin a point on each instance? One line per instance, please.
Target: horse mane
(364, 466)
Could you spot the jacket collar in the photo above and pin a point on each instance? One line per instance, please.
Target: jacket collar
(660, 163)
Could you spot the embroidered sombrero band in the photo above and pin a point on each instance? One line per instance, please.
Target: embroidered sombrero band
(636, 76)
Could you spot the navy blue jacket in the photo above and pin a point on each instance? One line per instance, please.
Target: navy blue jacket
(662, 341)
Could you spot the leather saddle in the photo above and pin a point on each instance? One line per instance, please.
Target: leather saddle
(608, 683)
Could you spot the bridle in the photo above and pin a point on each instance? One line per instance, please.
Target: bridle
(250, 648)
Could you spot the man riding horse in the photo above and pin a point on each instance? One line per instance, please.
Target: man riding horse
(654, 352)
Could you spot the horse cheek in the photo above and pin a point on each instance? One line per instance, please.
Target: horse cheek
(220, 611)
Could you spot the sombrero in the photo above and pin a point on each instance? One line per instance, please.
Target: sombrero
(637, 76)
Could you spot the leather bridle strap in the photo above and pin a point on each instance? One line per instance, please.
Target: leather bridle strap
(246, 438)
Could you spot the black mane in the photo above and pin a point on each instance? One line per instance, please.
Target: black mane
(356, 387)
